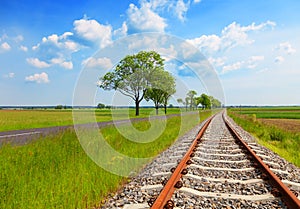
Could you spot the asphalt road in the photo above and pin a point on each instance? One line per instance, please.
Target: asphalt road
(22, 137)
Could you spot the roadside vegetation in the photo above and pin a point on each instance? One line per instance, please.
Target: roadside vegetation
(25, 119)
(55, 172)
(277, 138)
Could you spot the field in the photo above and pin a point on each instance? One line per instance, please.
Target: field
(25, 119)
(277, 128)
(56, 173)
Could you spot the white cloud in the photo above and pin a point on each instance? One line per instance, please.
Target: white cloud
(145, 19)
(181, 9)
(232, 67)
(102, 62)
(93, 31)
(251, 63)
(286, 47)
(5, 47)
(37, 63)
(61, 62)
(23, 48)
(231, 36)
(38, 78)
(121, 31)
(197, 1)
(217, 62)
(279, 59)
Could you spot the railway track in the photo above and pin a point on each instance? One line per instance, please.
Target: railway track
(213, 169)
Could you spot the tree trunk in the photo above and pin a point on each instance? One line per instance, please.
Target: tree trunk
(165, 108)
(156, 109)
(137, 108)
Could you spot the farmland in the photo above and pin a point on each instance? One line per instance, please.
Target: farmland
(56, 173)
(25, 119)
(276, 128)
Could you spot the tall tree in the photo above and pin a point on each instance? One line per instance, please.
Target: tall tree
(191, 94)
(162, 87)
(132, 75)
(205, 101)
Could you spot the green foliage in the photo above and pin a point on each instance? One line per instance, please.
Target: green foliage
(58, 107)
(162, 87)
(132, 76)
(190, 95)
(100, 106)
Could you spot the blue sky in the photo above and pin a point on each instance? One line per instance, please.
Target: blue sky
(253, 45)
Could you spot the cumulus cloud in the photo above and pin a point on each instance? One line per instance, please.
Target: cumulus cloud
(122, 31)
(37, 63)
(145, 19)
(61, 62)
(286, 48)
(93, 31)
(231, 36)
(5, 47)
(197, 1)
(38, 78)
(102, 63)
(279, 59)
(55, 49)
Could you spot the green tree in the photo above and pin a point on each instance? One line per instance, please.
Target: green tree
(162, 87)
(100, 106)
(205, 101)
(215, 103)
(132, 75)
(191, 94)
(197, 101)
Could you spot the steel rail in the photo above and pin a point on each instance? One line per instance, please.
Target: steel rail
(166, 193)
(285, 193)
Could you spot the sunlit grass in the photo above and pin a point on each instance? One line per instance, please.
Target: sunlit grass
(284, 143)
(55, 172)
(25, 119)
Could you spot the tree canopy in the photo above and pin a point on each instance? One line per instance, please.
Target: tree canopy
(134, 75)
(162, 87)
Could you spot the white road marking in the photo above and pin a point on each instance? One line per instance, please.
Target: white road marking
(27, 133)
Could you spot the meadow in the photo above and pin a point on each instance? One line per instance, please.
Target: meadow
(270, 128)
(26, 119)
(55, 172)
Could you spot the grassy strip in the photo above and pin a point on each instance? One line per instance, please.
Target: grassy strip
(284, 143)
(56, 173)
(26, 119)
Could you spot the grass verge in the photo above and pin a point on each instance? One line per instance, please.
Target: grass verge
(55, 172)
(284, 143)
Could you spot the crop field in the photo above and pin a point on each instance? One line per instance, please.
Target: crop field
(277, 128)
(271, 112)
(25, 119)
(56, 173)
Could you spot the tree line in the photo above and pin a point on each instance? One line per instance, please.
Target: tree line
(142, 76)
(192, 101)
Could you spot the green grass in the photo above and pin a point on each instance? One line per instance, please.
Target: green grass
(271, 112)
(26, 119)
(284, 143)
(55, 172)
